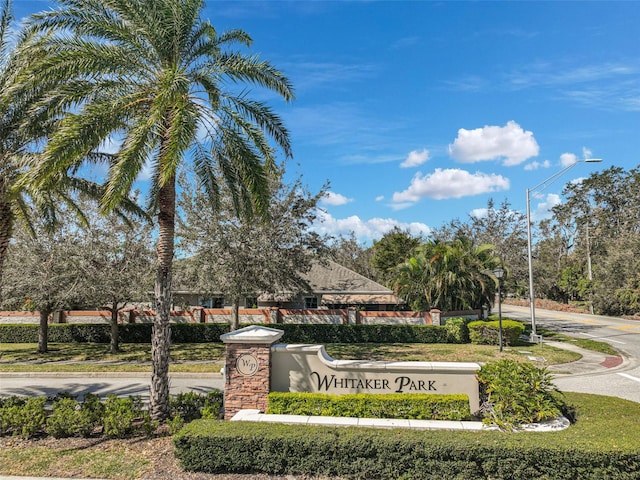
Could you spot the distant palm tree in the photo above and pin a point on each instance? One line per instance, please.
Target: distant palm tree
(154, 74)
(448, 275)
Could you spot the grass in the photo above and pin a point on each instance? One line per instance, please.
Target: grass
(585, 343)
(209, 357)
(113, 461)
(448, 352)
(84, 352)
(95, 357)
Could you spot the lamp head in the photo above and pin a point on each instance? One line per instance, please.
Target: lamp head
(592, 160)
(498, 273)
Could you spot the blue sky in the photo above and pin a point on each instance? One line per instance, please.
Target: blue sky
(418, 112)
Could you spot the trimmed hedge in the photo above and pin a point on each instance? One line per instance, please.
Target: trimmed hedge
(406, 406)
(487, 333)
(210, 332)
(101, 333)
(458, 329)
(362, 453)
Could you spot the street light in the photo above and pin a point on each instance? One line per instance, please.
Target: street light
(499, 273)
(532, 306)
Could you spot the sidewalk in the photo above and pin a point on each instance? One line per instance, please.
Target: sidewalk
(591, 362)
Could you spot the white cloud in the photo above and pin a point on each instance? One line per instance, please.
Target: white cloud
(415, 158)
(379, 198)
(335, 199)
(511, 143)
(479, 212)
(536, 165)
(586, 153)
(567, 159)
(449, 183)
(543, 210)
(365, 230)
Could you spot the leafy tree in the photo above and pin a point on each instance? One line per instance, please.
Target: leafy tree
(155, 74)
(239, 255)
(391, 250)
(601, 215)
(116, 262)
(43, 274)
(350, 253)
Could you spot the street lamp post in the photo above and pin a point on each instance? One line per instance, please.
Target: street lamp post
(532, 306)
(499, 272)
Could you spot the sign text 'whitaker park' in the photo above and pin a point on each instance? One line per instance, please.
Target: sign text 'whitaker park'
(399, 384)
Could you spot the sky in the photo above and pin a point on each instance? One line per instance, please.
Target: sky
(417, 113)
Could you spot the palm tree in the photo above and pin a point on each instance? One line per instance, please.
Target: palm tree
(448, 275)
(23, 128)
(156, 75)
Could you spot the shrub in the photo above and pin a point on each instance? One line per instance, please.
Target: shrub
(25, 417)
(457, 329)
(192, 405)
(322, 333)
(515, 393)
(10, 418)
(70, 418)
(124, 416)
(363, 453)
(210, 332)
(487, 333)
(407, 406)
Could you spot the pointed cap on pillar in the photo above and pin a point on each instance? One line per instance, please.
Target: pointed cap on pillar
(253, 334)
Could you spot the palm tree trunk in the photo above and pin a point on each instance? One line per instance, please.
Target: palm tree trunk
(6, 227)
(43, 331)
(161, 336)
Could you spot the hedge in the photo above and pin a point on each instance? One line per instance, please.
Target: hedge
(210, 332)
(487, 333)
(361, 453)
(406, 406)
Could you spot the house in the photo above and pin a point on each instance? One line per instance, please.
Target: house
(332, 287)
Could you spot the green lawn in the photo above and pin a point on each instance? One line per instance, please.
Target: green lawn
(209, 357)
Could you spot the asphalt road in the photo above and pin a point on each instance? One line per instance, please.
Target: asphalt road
(623, 335)
(122, 384)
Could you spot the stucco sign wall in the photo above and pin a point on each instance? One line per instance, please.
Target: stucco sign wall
(308, 368)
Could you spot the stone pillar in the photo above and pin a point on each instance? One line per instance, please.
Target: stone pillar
(435, 316)
(248, 368)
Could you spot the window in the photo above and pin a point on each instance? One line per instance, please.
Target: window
(217, 302)
(310, 302)
(251, 302)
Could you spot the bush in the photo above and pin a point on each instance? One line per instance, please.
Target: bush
(363, 453)
(191, 406)
(21, 416)
(488, 333)
(407, 406)
(322, 333)
(70, 418)
(515, 393)
(457, 329)
(124, 416)
(210, 332)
